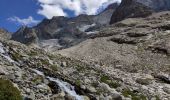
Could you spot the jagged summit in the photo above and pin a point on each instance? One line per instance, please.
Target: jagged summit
(25, 35)
(5, 34)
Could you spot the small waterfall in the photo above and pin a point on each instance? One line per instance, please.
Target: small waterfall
(66, 87)
(4, 54)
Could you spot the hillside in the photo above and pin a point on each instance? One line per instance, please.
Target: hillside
(122, 53)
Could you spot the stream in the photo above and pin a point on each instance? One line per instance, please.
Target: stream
(66, 87)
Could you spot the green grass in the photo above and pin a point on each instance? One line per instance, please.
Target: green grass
(134, 96)
(8, 91)
(33, 53)
(78, 82)
(37, 79)
(143, 81)
(80, 68)
(54, 67)
(111, 83)
(45, 62)
(104, 79)
(157, 97)
(16, 56)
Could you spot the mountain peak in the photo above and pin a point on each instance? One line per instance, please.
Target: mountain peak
(67, 31)
(139, 8)
(4, 34)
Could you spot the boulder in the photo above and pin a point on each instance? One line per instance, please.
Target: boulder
(163, 77)
(91, 89)
(54, 87)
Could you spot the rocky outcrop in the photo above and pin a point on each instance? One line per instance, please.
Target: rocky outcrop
(156, 5)
(130, 9)
(25, 35)
(138, 8)
(5, 34)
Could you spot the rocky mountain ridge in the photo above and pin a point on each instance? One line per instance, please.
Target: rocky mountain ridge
(65, 32)
(5, 34)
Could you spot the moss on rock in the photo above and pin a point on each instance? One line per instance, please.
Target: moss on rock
(8, 91)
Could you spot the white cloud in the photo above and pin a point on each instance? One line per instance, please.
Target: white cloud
(27, 21)
(50, 8)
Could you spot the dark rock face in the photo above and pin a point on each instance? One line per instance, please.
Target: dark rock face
(139, 8)
(66, 31)
(25, 35)
(54, 87)
(156, 5)
(130, 9)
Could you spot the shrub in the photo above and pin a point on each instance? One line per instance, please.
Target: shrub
(143, 81)
(111, 83)
(104, 79)
(8, 91)
(78, 82)
(134, 96)
(16, 56)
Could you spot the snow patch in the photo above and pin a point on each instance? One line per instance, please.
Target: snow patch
(85, 27)
(50, 44)
(91, 32)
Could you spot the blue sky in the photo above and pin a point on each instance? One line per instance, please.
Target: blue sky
(15, 13)
(19, 8)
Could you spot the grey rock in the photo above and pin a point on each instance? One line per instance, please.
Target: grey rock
(86, 98)
(55, 89)
(64, 64)
(69, 97)
(116, 96)
(91, 89)
(59, 96)
(167, 89)
(4, 34)
(3, 72)
(83, 87)
(163, 77)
